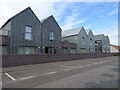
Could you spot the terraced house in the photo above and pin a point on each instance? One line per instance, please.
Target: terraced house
(102, 43)
(91, 41)
(78, 36)
(26, 34)
(51, 35)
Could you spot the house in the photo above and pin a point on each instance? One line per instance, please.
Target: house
(102, 43)
(114, 48)
(91, 41)
(3, 44)
(68, 48)
(26, 34)
(107, 44)
(51, 35)
(78, 36)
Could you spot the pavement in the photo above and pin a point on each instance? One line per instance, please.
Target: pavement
(84, 73)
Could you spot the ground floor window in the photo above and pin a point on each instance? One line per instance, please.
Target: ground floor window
(65, 50)
(3, 50)
(51, 50)
(83, 50)
(72, 50)
(91, 50)
(26, 50)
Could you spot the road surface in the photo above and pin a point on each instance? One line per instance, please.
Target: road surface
(84, 73)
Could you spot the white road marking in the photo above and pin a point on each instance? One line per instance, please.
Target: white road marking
(100, 62)
(52, 72)
(66, 66)
(79, 66)
(87, 65)
(10, 76)
(73, 67)
(27, 77)
(95, 63)
(66, 69)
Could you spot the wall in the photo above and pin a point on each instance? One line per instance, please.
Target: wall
(48, 25)
(80, 45)
(7, 26)
(91, 36)
(14, 60)
(17, 32)
(4, 40)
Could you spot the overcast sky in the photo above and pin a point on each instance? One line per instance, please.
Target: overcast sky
(101, 17)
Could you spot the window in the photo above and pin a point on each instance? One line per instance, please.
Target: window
(83, 50)
(26, 50)
(28, 34)
(3, 50)
(51, 36)
(91, 42)
(83, 41)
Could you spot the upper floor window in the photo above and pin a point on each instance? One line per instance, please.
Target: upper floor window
(28, 33)
(51, 35)
(83, 40)
(90, 41)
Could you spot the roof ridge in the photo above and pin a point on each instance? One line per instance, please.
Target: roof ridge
(72, 28)
(18, 14)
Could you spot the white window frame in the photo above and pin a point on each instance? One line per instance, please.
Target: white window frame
(28, 33)
(51, 36)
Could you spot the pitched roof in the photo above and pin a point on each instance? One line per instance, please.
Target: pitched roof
(18, 14)
(106, 37)
(71, 32)
(43, 20)
(115, 46)
(99, 36)
(87, 31)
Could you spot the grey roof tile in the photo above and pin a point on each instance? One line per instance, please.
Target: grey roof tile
(71, 32)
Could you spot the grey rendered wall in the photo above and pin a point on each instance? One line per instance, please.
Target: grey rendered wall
(81, 34)
(103, 44)
(7, 26)
(91, 36)
(107, 44)
(18, 24)
(51, 25)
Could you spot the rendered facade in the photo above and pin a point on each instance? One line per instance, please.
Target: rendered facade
(91, 41)
(78, 36)
(102, 43)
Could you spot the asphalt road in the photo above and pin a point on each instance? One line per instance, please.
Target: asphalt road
(84, 73)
